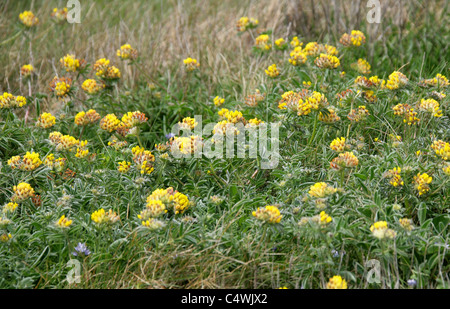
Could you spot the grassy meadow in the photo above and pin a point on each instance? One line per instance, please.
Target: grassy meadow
(356, 196)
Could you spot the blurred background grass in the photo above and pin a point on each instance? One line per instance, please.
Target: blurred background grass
(413, 35)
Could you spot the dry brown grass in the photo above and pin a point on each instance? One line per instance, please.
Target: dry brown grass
(165, 32)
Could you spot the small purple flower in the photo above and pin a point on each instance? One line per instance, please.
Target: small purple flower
(170, 135)
(81, 249)
(412, 282)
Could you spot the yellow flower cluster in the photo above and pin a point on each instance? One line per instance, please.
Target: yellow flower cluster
(91, 86)
(29, 162)
(337, 283)
(446, 169)
(270, 214)
(188, 123)
(170, 198)
(109, 123)
(22, 192)
(255, 122)
(186, 145)
(295, 42)
(5, 237)
(59, 15)
(438, 81)
(321, 190)
(70, 63)
(330, 116)
(280, 44)
(325, 61)
(380, 230)
(225, 127)
(431, 106)
(344, 160)
(191, 64)
(338, 144)
(442, 149)
(7, 100)
(407, 224)
(63, 222)
(407, 112)
(362, 66)
(218, 101)
(245, 23)
(143, 159)
(85, 118)
(126, 52)
(263, 42)
(102, 217)
(354, 38)
(105, 71)
(272, 71)
(153, 224)
(297, 56)
(124, 166)
(28, 19)
(358, 114)
(82, 151)
(395, 177)
(153, 209)
(396, 80)
(26, 70)
(10, 207)
(46, 120)
(53, 163)
(231, 116)
(421, 183)
(61, 86)
(253, 99)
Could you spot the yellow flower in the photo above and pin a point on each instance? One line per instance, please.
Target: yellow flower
(101, 217)
(22, 192)
(421, 183)
(127, 52)
(59, 15)
(85, 118)
(442, 149)
(26, 70)
(5, 237)
(321, 190)
(7, 100)
(245, 23)
(91, 86)
(431, 106)
(109, 123)
(46, 120)
(218, 101)
(358, 114)
(297, 56)
(30, 161)
(438, 81)
(396, 80)
(344, 160)
(105, 71)
(295, 42)
(362, 66)
(272, 71)
(355, 38)
(396, 178)
(263, 42)
(153, 224)
(70, 63)
(270, 214)
(330, 117)
(153, 209)
(61, 86)
(325, 61)
(191, 64)
(124, 166)
(28, 19)
(10, 207)
(63, 222)
(407, 224)
(338, 144)
(337, 282)
(380, 230)
(446, 170)
(407, 112)
(188, 123)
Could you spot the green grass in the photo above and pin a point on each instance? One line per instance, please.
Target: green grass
(220, 244)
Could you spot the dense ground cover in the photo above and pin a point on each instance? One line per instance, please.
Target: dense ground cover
(358, 189)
